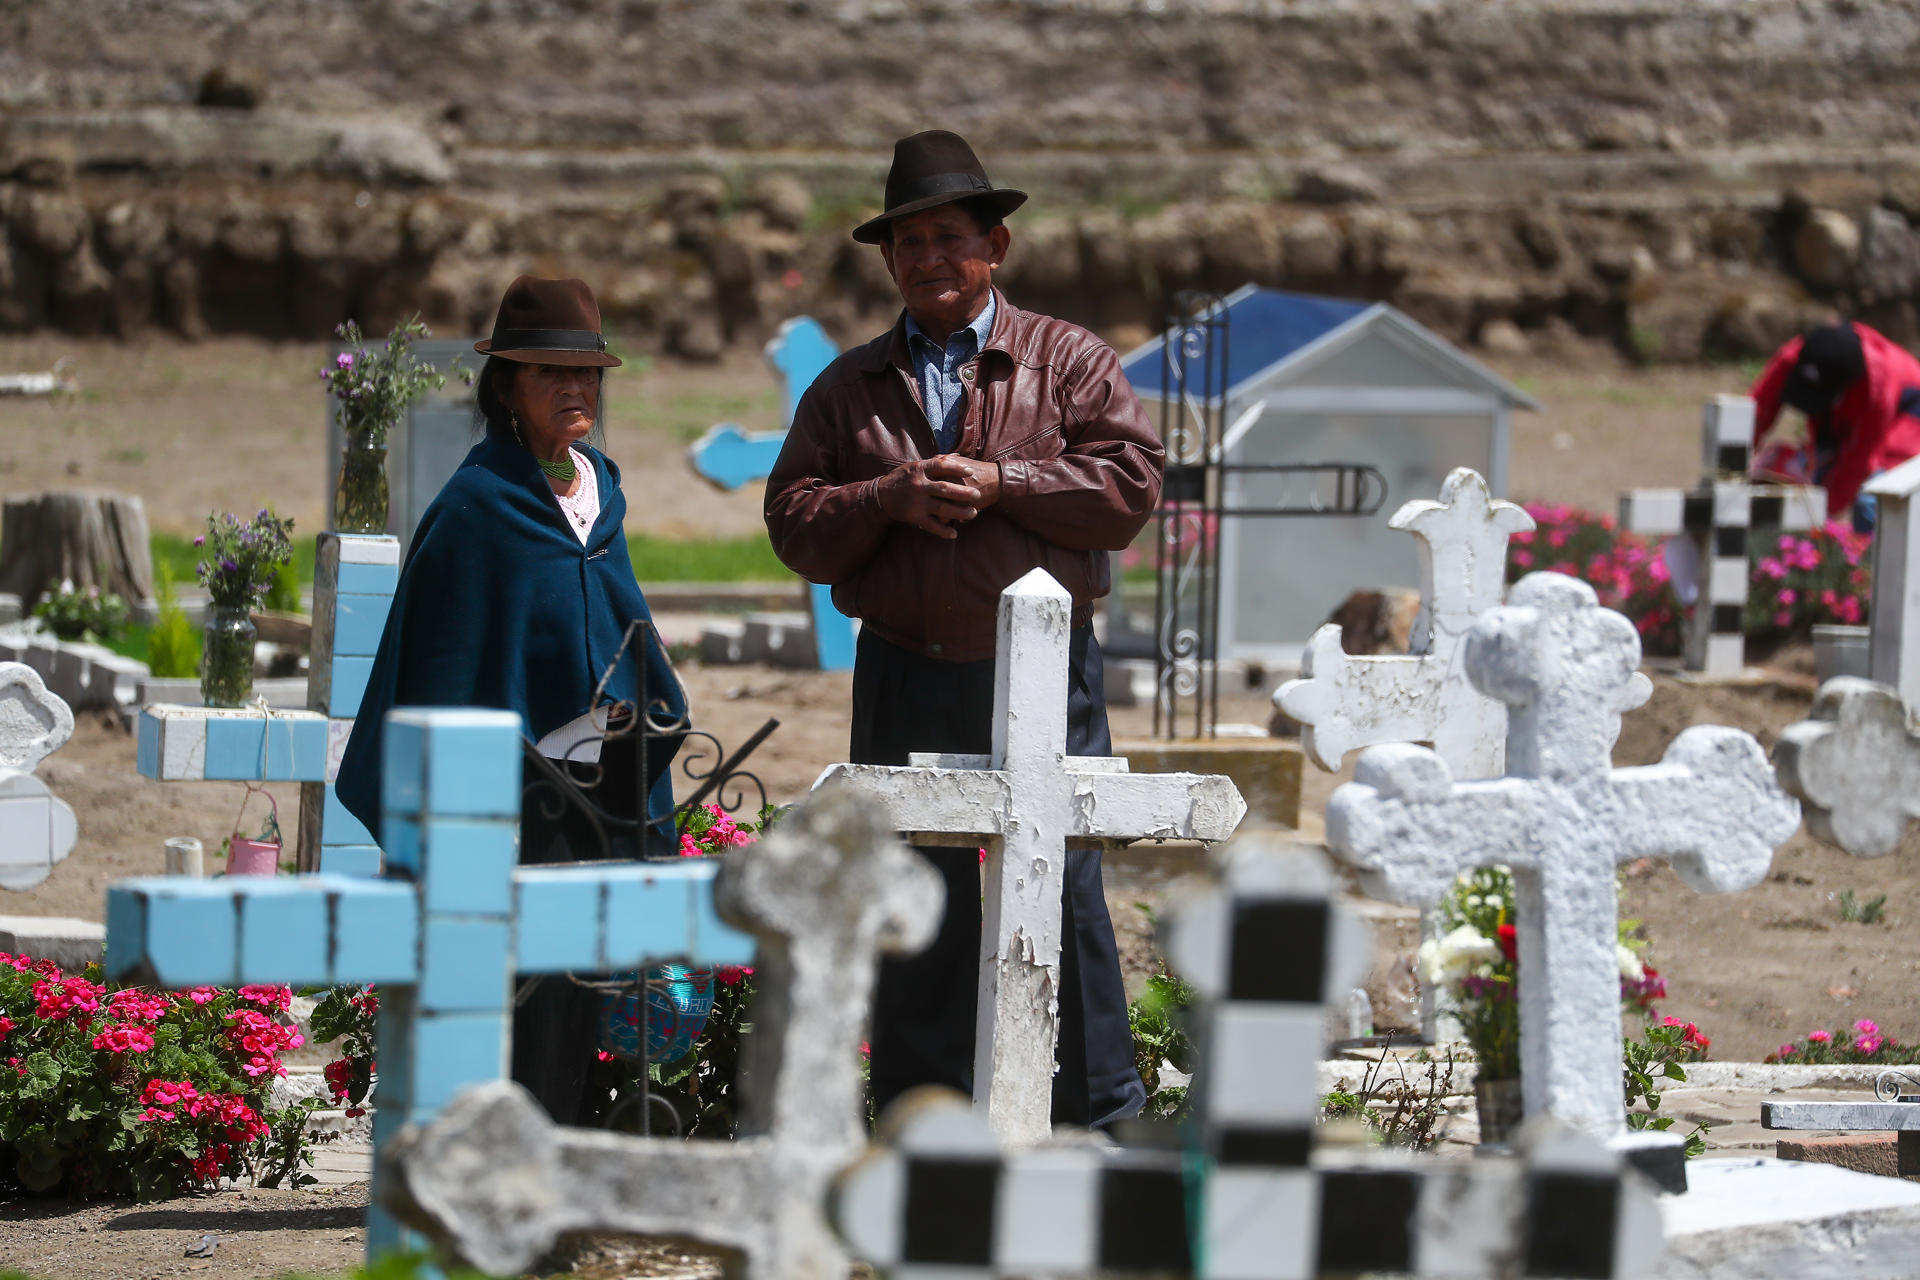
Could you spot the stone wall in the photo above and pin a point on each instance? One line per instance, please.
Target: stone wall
(1684, 178)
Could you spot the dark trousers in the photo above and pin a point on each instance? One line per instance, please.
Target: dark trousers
(923, 1007)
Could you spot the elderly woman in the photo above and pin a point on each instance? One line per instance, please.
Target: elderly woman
(517, 593)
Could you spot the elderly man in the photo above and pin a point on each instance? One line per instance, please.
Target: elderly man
(925, 472)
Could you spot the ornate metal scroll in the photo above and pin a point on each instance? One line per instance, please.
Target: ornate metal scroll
(648, 722)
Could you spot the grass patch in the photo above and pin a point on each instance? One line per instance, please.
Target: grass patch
(745, 559)
(685, 416)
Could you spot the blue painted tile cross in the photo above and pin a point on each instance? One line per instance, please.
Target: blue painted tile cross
(732, 458)
(444, 932)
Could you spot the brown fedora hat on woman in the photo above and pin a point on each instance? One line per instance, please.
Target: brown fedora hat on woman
(548, 322)
(935, 167)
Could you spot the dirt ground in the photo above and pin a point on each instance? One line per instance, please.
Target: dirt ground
(233, 423)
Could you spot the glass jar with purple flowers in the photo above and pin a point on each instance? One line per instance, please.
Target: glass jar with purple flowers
(237, 565)
(372, 387)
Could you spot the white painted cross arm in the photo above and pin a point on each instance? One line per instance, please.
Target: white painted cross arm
(958, 800)
(1856, 766)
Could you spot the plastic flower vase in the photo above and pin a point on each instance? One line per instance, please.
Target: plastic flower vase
(247, 857)
(677, 1003)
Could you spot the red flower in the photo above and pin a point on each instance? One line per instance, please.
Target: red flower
(1509, 942)
(730, 974)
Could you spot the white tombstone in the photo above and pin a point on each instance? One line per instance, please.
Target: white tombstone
(1023, 805)
(36, 829)
(1345, 703)
(1563, 818)
(825, 892)
(1893, 645)
(1855, 765)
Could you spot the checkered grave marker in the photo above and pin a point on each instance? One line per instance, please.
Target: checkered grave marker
(37, 828)
(1345, 703)
(1721, 517)
(1563, 818)
(826, 892)
(1247, 1197)
(1023, 805)
(443, 931)
(1855, 765)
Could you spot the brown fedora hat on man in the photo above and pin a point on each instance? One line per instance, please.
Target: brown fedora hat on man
(548, 322)
(931, 168)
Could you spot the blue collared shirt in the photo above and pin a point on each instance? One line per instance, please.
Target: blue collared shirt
(939, 372)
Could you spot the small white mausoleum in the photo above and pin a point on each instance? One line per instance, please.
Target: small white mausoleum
(1332, 380)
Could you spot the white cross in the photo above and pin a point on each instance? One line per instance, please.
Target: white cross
(1856, 766)
(1267, 949)
(825, 892)
(1345, 703)
(1562, 819)
(1023, 804)
(37, 829)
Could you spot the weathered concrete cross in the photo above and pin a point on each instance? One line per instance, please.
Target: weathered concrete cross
(1855, 765)
(1562, 819)
(828, 890)
(1250, 1195)
(37, 829)
(1024, 804)
(1346, 703)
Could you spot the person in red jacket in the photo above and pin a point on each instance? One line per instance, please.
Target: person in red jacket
(1860, 392)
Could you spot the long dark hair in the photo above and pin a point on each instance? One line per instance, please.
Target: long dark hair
(493, 417)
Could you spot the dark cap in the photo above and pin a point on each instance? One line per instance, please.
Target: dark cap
(1830, 361)
(935, 168)
(548, 322)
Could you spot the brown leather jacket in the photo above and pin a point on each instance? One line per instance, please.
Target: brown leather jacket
(1080, 471)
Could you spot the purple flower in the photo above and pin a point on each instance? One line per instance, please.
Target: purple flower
(200, 540)
(344, 360)
(228, 565)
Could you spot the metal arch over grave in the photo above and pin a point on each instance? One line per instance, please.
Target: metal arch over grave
(1563, 818)
(828, 890)
(37, 828)
(1026, 803)
(1277, 404)
(1247, 1194)
(1719, 518)
(731, 458)
(445, 930)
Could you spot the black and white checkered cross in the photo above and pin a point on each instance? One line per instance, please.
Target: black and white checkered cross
(1246, 1195)
(1721, 516)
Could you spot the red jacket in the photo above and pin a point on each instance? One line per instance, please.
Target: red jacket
(1868, 430)
(1080, 472)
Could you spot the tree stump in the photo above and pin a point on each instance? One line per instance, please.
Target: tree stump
(92, 538)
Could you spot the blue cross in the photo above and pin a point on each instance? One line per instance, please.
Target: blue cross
(444, 932)
(732, 458)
